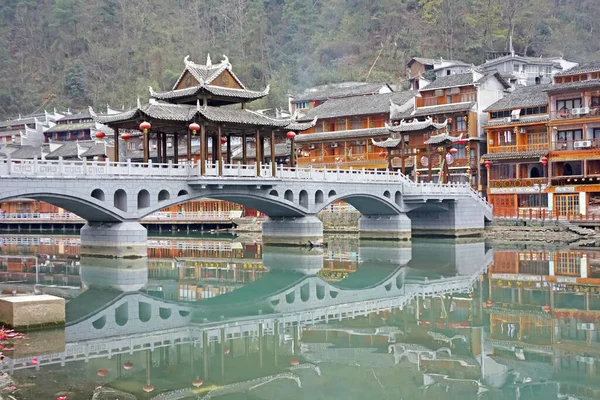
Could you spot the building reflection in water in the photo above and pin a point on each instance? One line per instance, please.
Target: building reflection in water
(222, 317)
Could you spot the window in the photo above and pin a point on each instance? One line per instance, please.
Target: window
(534, 110)
(448, 72)
(301, 104)
(568, 104)
(549, 70)
(503, 171)
(594, 133)
(507, 138)
(448, 99)
(516, 67)
(356, 123)
(500, 114)
(595, 103)
(461, 151)
(461, 124)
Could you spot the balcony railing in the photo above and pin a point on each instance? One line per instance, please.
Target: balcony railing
(581, 144)
(517, 182)
(575, 113)
(341, 159)
(518, 148)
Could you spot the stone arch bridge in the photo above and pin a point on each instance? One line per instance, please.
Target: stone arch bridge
(112, 197)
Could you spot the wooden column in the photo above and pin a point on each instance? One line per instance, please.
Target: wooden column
(293, 153)
(202, 148)
(228, 155)
(273, 164)
(402, 152)
(244, 150)
(189, 145)
(175, 149)
(430, 162)
(164, 147)
(146, 146)
(116, 147)
(218, 150)
(258, 152)
(158, 148)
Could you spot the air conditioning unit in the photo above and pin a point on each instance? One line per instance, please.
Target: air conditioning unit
(582, 144)
(169, 145)
(312, 147)
(153, 147)
(439, 92)
(575, 111)
(522, 130)
(585, 327)
(584, 110)
(507, 120)
(587, 360)
(455, 90)
(334, 145)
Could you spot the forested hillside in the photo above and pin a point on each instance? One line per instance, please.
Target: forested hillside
(73, 53)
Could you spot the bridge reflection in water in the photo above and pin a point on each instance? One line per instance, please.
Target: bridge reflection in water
(408, 321)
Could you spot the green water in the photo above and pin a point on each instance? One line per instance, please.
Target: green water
(215, 317)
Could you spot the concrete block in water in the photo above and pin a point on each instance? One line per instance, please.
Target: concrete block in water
(32, 310)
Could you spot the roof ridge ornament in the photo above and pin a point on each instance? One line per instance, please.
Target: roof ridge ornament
(92, 112)
(208, 61)
(139, 103)
(225, 60)
(197, 104)
(186, 60)
(152, 92)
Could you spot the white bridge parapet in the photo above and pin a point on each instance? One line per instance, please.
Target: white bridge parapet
(98, 169)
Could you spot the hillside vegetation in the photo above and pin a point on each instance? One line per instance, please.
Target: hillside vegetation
(74, 53)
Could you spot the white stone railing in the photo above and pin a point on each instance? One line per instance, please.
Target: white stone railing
(81, 169)
(432, 188)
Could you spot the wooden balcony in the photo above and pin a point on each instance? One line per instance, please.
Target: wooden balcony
(519, 148)
(581, 144)
(343, 160)
(517, 183)
(581, 113)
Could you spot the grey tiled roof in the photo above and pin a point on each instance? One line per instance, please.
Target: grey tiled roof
(515, 154)
(281, 150)
(522, 59)
(464, 79)
(97, 149)
(339, 135)
(416, 125)
(388, 143)
(187, 113)
(520, 121)
(355, 89)
(522, 97)
(441, 138)
(358, 105)
(71, 127)
(70, 117)
(66, 150)
(591, 66)
(27, 153)
(449, 81)
(205, 74)
(25, 120)
(592, 83)
(215, 90)
(445, 108)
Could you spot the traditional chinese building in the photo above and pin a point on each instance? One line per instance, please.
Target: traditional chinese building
(195, 105)
(422, 71)
(574, 168)
(342, 136)
(517, 151)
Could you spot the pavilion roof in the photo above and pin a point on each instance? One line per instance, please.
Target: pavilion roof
(443, 137)
(210, 89)
(444, 108)
(350, 134)
(207, 73)
(417, 125)
(185, 113)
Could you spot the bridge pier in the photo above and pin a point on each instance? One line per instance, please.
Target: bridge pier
(454, 218)
(114, 240)
(384, 227)
(294, 231)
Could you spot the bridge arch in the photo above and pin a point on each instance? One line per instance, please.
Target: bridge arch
(120, 200)
(365, 203)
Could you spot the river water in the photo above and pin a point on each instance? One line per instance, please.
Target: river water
(208, 317)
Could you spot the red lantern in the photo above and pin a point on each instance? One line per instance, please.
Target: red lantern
(226, 350)
(100, 135)
(417, 173)
(396, 123)
(453, 151)
(128, 365)
(223, 140)
(145, 126)
(487, 164)
(383, 154)
(489, 303)
(293, 363)
(546, 308)
(290, 135)
(469, 171)
(126, 136)
(102, 372)
(544, 161)
(147, 388)
(194, 127)
(197, 382)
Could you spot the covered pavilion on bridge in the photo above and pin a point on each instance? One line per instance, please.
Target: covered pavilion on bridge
(210, 101)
